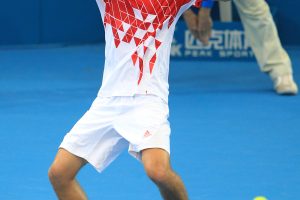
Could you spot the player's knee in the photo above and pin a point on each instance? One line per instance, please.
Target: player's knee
(159, 173)
(57, 175)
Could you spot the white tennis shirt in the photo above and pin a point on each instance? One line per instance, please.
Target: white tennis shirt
(138, 36)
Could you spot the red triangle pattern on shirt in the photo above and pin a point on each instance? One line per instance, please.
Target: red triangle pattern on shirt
(118, 12)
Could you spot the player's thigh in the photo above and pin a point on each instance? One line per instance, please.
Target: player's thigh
(156, 159)
(66, 165)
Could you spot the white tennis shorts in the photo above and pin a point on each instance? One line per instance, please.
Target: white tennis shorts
(113, 124)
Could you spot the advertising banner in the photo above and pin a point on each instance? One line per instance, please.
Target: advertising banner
(228, 42)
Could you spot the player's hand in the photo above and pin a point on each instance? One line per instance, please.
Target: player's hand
(205, 24)
(191, 21)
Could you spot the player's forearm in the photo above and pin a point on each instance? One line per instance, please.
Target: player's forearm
(205, 12)
(188, 13)
(206, 7)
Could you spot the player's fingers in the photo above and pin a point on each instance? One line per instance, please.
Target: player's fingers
(204, 30)
(204, 37)
(193, 26)
(195, 33)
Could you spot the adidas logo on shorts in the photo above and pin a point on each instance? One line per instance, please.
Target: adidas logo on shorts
(147, 134)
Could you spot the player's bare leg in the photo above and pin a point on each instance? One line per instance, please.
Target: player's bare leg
(62, 175)
(157, 166)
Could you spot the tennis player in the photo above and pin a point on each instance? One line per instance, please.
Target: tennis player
(131, 109)
(261, 32)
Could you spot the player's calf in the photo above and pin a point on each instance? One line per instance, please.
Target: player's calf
(157, 167)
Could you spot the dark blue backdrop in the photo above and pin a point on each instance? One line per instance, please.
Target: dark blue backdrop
(50, 21)
(78, 21)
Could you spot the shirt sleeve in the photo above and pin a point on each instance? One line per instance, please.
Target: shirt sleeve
(198, 3)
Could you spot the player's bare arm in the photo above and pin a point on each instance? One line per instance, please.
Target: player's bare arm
(201, 24)
(205, 24)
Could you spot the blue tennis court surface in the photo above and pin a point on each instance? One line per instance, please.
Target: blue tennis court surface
(233, 138)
